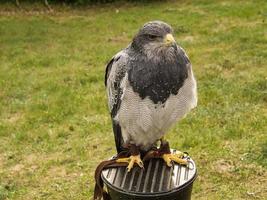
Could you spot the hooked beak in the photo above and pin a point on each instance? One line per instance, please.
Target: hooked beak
(169, 40)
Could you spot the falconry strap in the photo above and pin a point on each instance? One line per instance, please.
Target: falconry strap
(99, 191)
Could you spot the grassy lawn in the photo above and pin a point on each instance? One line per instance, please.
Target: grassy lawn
(54, 122)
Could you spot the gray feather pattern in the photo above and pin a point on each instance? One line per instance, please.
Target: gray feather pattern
(115, 74)
(149, 87)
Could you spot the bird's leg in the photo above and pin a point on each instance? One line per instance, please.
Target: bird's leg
(134, 158)
(169, 157)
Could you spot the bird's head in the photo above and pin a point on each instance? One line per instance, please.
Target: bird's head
(153, 37)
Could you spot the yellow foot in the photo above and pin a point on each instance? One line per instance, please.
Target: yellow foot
(176, 157)
(131, 160)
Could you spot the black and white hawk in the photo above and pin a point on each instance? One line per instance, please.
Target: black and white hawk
(150, 86)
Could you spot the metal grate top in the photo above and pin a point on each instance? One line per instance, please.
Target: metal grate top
(157, 177)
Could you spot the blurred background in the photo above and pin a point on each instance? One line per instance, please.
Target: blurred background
(54, 122)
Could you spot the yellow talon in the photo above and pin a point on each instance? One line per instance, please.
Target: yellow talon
(177, 157)
(131, 160)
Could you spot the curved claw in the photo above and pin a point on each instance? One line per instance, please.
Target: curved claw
(177, 157)
(132, 160)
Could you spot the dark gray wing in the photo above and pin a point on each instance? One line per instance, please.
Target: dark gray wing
(115, 72)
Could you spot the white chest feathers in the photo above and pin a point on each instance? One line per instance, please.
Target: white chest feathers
(143, 122)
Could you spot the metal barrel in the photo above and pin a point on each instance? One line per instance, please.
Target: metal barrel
(156, 181)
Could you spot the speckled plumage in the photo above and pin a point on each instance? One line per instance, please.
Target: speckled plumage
(150, 86)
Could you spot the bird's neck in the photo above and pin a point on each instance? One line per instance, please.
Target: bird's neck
(154, 54)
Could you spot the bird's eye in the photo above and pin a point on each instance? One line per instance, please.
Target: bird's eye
(152, 37)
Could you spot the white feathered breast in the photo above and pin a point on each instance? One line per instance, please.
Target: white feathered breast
(143, 122)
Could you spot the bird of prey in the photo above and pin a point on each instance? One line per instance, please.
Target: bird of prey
(150, 86)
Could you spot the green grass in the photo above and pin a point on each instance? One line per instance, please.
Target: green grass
(54, 122)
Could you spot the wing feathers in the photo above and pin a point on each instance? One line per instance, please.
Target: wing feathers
(115, 72)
